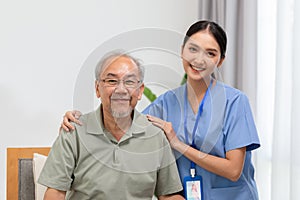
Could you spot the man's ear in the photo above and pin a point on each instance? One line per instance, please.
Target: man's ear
(141, 91)
(97, 89)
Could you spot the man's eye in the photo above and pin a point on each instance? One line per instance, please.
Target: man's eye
(129, 82)
(112, 81)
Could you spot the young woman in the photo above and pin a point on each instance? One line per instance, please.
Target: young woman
(209, 124)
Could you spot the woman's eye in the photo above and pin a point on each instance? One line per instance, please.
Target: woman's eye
(211, 54)
(193, 49)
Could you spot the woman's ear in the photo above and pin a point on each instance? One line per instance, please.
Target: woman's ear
(220, 62)
(97, 89)
(182, 46)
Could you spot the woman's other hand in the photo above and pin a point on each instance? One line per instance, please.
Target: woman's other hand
(70, 116)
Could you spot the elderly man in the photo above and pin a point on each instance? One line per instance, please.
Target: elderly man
(116, 153)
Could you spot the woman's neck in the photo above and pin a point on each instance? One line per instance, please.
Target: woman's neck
(196, 91)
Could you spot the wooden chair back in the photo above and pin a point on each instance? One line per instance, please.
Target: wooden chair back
(15, 156)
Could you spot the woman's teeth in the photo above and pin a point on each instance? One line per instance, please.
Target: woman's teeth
(197, 68)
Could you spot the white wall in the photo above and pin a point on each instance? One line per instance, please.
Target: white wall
(43, 47)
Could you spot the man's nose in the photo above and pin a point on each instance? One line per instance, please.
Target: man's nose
(121, 87)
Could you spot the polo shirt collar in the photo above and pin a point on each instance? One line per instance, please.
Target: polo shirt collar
(95, 124)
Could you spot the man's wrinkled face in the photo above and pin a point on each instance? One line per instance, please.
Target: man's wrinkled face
(119, 86)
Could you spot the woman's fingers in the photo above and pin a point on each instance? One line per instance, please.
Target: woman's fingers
(166, 126)
(62, 126)
(157, 124)
(66, 125)
(70, 116)
(75, 115)
(156, 121)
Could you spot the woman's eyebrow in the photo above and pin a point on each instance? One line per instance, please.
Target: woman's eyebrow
(197, 46)
(193, 44)
(212, 49)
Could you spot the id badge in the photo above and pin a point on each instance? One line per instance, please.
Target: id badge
(193, 188)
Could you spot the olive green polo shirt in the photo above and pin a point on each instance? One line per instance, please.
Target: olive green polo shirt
(91, 164)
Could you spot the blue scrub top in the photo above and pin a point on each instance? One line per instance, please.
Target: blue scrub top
(226, 123)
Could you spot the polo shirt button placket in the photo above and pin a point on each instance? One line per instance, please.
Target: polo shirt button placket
(116, 155)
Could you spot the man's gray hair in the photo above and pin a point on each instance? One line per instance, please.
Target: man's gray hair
(111, 56)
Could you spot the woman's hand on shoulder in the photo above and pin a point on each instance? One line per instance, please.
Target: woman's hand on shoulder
(70, 116)
(166, 127)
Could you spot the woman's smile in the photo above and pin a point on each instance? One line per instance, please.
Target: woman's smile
(197, 68)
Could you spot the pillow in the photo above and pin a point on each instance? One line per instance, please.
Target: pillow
(38, 162)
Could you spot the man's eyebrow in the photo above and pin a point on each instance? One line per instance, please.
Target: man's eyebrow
(125, 76)
(111, 74)
(129, 75)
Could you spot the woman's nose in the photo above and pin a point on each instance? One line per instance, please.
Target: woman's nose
(199, 61)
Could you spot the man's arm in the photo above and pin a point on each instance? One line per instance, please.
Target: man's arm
(171, 197)
(53, 194)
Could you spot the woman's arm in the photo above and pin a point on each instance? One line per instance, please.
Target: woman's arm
(229, 167)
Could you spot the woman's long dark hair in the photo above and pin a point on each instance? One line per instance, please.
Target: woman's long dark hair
(217, 32)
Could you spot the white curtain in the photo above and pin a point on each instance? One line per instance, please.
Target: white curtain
(278, 161)
(239, 19)
(263, 60)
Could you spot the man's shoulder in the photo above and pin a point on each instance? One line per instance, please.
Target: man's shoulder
(142, 123)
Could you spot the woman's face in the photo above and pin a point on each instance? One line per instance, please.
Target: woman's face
(200, 55)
